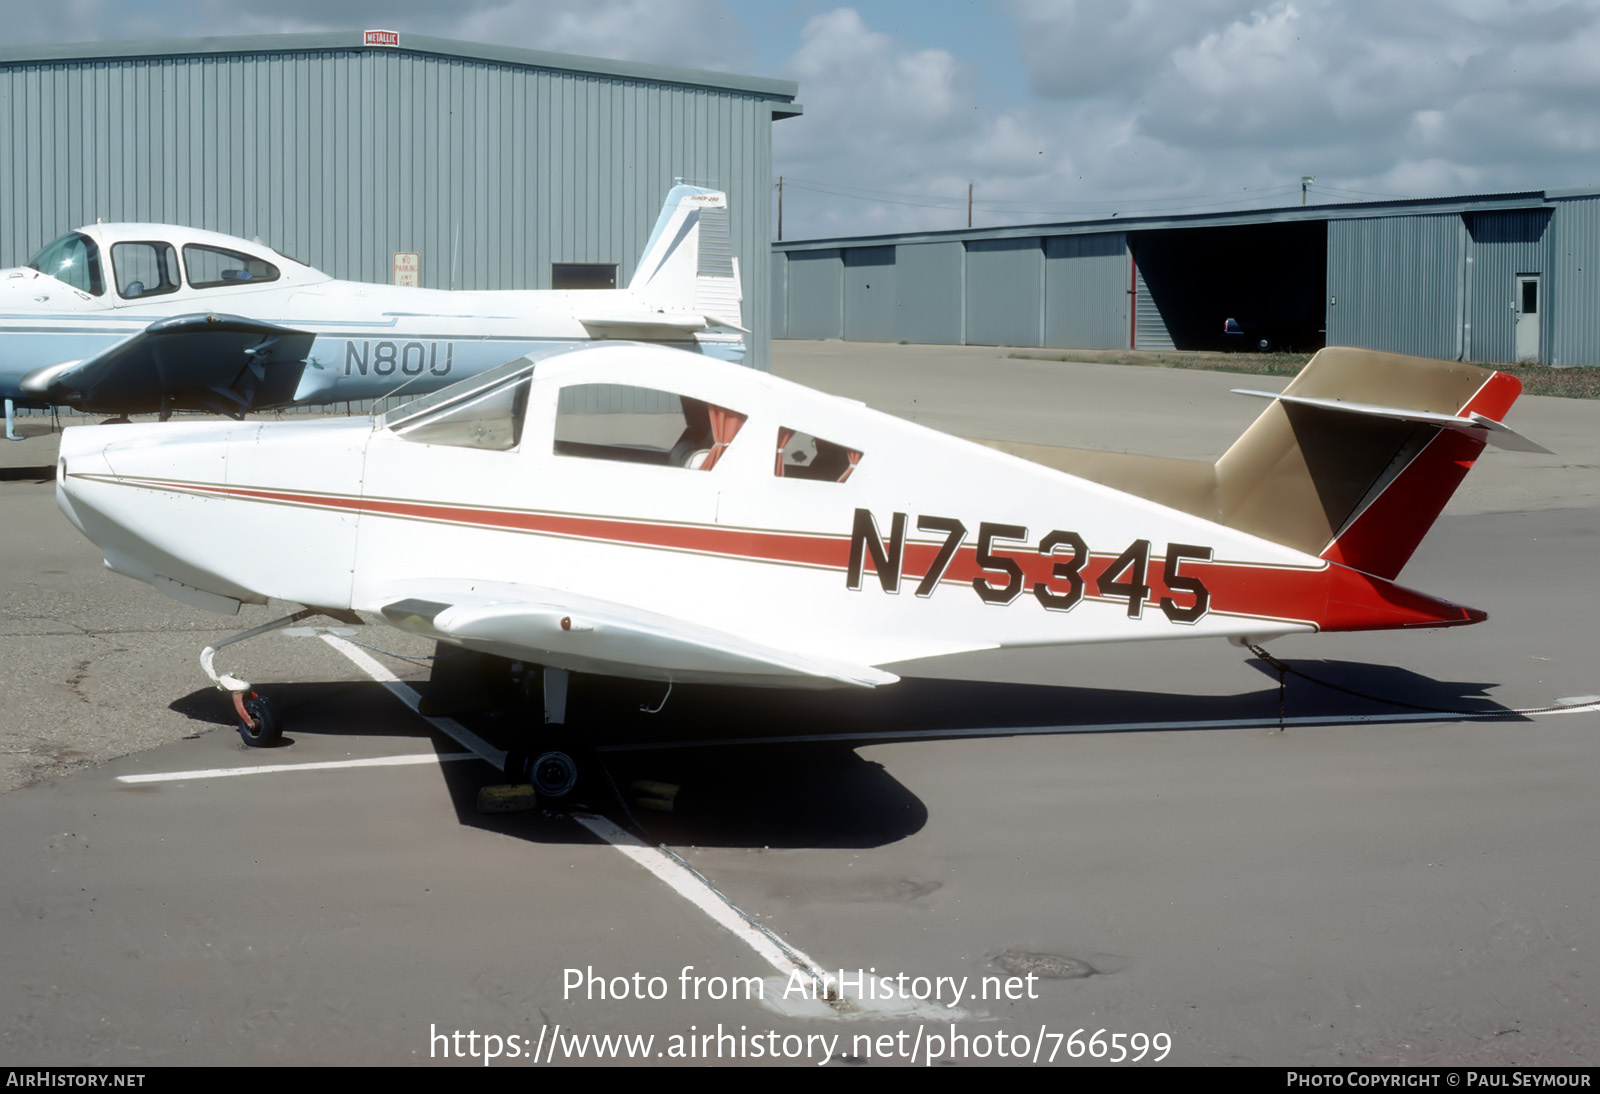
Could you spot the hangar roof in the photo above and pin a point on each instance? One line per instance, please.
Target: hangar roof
(1467, 203)
(782, 92)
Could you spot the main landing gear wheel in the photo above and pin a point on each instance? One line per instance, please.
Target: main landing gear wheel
(259, 726)
(552, 771)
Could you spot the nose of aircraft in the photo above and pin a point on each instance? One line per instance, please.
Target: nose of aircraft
(122, 486)
(82, 453)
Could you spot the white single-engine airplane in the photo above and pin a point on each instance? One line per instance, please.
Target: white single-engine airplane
(151, 318)
(764, 533)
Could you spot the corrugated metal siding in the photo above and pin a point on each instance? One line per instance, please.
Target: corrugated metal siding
(780, 295)
(1396, 284)
(869, 294)
(1394, 278)
(1150, 329)
(816, 294)
(1571, 333)
(1503, 245)
(1086, 291)
(342, 157)
(930, 280)
(1005, 292)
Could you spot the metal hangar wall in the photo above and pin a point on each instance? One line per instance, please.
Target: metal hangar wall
(1493, 278)
(492, 163)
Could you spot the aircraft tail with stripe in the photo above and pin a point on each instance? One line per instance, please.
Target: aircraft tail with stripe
(1353, 461)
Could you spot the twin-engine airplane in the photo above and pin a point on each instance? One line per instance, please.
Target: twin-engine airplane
(151, 318)
(634, 511)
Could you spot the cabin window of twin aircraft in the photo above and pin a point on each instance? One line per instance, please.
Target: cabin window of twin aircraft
(148, 267)
(213, 267)
(145, 269)
(73, 260)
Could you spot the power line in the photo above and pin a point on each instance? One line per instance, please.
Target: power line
(1366, 193)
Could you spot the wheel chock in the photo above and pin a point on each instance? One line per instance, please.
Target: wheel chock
(654, 795)
(507, 798)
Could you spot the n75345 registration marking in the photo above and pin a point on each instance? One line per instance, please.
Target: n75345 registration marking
(1002, 564)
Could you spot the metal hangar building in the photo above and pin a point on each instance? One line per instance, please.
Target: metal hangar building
(1493, 278)
(494, 164)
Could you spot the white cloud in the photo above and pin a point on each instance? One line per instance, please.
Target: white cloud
(1142, 105)
(910, 125)
(1412, 99)
(689, 34)
(1077, 48)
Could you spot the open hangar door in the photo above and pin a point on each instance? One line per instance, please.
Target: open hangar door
(1271, 278)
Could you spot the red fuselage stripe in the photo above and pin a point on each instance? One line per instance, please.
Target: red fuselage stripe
(1330, 597)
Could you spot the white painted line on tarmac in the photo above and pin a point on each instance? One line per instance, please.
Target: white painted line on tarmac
(791, 964)
(274, 769)
(697, 891)
(408, 695)
(799, 975)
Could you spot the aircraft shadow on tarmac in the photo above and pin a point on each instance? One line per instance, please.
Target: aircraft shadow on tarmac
(765, 768)
(45, 473)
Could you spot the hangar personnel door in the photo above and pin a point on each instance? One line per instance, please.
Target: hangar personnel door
(1526, 304)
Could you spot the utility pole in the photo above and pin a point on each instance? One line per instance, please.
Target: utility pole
(1305, 181)
(780, 208)
(969, 205)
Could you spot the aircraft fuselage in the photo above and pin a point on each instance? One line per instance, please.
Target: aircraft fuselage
(78, 324)
(370, 339)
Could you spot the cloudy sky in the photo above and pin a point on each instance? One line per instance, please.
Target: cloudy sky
(1053, 109)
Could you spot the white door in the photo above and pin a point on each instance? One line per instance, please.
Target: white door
(1526, 306)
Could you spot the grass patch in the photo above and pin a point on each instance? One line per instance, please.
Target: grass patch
(1565, 383)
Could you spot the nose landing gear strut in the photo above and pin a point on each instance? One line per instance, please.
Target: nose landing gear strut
(259, 723)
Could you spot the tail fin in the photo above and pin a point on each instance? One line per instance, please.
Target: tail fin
(1359, 454)
(1353, 462)
(688, 264)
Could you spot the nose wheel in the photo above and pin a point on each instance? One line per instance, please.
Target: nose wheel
(259, 723)
(259, 726)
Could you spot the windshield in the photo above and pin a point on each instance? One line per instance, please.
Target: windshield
(73, 259)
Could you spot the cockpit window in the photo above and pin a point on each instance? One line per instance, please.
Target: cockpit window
(489, 419)
(73, 259)
(802, 456)
(643, 425)
(211, 267)
(145, 269)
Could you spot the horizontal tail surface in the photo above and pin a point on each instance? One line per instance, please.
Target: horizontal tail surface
(1361, 453)
(1352, 462)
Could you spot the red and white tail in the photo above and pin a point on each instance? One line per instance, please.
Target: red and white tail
(1357, 457)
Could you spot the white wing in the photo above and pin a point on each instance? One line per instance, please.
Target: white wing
(561, 629)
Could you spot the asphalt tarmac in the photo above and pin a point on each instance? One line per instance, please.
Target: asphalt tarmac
(1372, 884)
